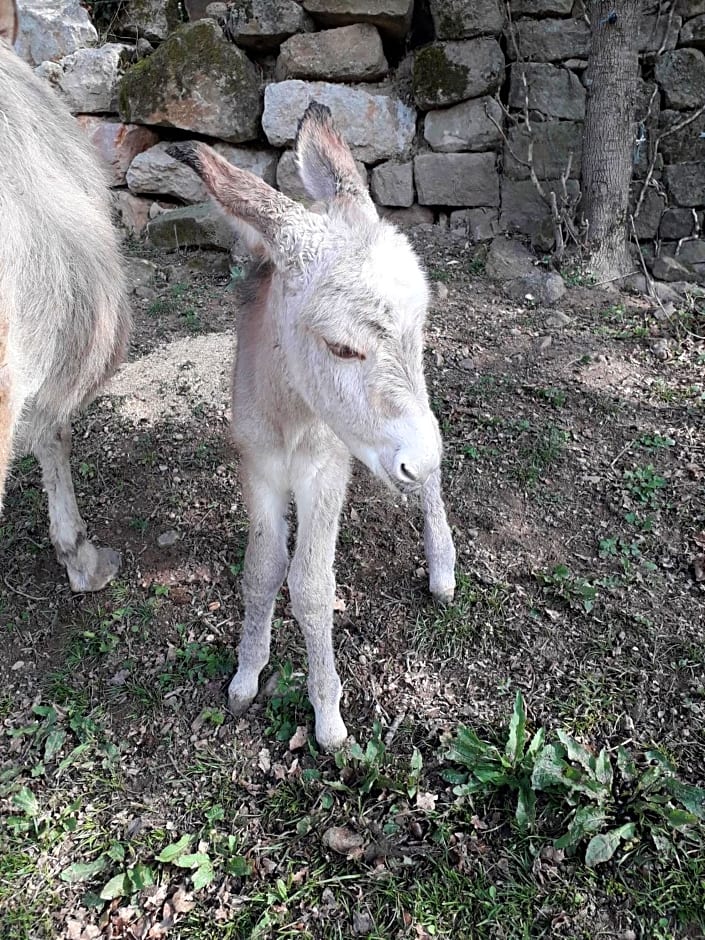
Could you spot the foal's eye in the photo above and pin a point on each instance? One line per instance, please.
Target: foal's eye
(345, 352)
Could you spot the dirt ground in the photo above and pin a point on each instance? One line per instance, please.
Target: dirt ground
(575, 483)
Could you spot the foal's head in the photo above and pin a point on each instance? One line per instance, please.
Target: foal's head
(349, 297)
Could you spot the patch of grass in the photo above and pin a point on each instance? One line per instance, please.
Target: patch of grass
(644, 484)
(454, 629)
(656, 441)
(555, 397)
(614, 802)
(289, 706)
(577, 275)
(477, 264)
(195, 661)
(538, 451)
(561, 583)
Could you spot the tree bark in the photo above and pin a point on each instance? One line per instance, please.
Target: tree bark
(608, 135)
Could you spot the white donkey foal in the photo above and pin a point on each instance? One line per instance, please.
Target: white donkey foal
(329, 363)
(64, 316)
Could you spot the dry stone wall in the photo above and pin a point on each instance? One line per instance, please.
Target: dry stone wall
(431, 95)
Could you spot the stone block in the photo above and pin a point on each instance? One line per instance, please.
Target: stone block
(392, 184)
(466, 19)
(149, 19)
(117, 144)
(686, 145)
(196, 81)
(668, 268)
(449, 72)
(375, 126)
(155, 172)
(553, 91)
(52, 29)
(200, 226)
(655, 32)
(678, 223)
(553, 141)
(347, 54)
(550, 40)
(681, 75)
(686, 183)
(391, 16)
(457, 179)
(693, 252)
(541, 7)
(690, 8)
(649, 218)
(478, 224)
(465, 126)
(693, 32)
(131, 212)
(262, 25)
(87, 80)
(523, 209)
(407, 218)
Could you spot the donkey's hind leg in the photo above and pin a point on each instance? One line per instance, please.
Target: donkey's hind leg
(9, 410)
(266, 561)
(89, 568)
(438, 541)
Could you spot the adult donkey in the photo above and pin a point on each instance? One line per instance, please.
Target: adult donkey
(329, 363)
(64, 317)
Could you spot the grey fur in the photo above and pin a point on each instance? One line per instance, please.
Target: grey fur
(329, 363)
(64, 316)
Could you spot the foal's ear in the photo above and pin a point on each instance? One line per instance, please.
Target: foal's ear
(325, 163)
(268, 221)
(8, 21)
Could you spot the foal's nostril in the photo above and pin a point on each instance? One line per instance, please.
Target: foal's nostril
(408, 473)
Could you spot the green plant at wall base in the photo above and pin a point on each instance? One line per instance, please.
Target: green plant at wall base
(575, 591)
(489, 768)
(609, 800)
(644, 484)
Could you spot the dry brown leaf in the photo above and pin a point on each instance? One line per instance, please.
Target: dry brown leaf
(339, 604)
(74, 929)
(699, 538)
(342, 840)
(298, 738)
(699, 567)
(426, 802)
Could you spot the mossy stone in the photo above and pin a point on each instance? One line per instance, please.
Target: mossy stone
(450, 72)
(436, 79)
(196, 81)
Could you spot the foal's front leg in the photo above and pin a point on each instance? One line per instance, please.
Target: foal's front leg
(319, 493)
(438, 541)
(266, 561)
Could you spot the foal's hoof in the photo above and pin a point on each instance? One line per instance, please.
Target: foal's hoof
(238, 706)
(240, 695)
(331, 737)
(101, 567)
(443, 591)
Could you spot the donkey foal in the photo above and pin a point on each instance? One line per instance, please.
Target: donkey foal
(63, 315)
(329, 363)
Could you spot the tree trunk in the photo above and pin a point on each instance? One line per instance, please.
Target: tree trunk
(608, 135)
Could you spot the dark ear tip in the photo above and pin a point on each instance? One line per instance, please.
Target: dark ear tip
(185, 153)
(315, 113)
